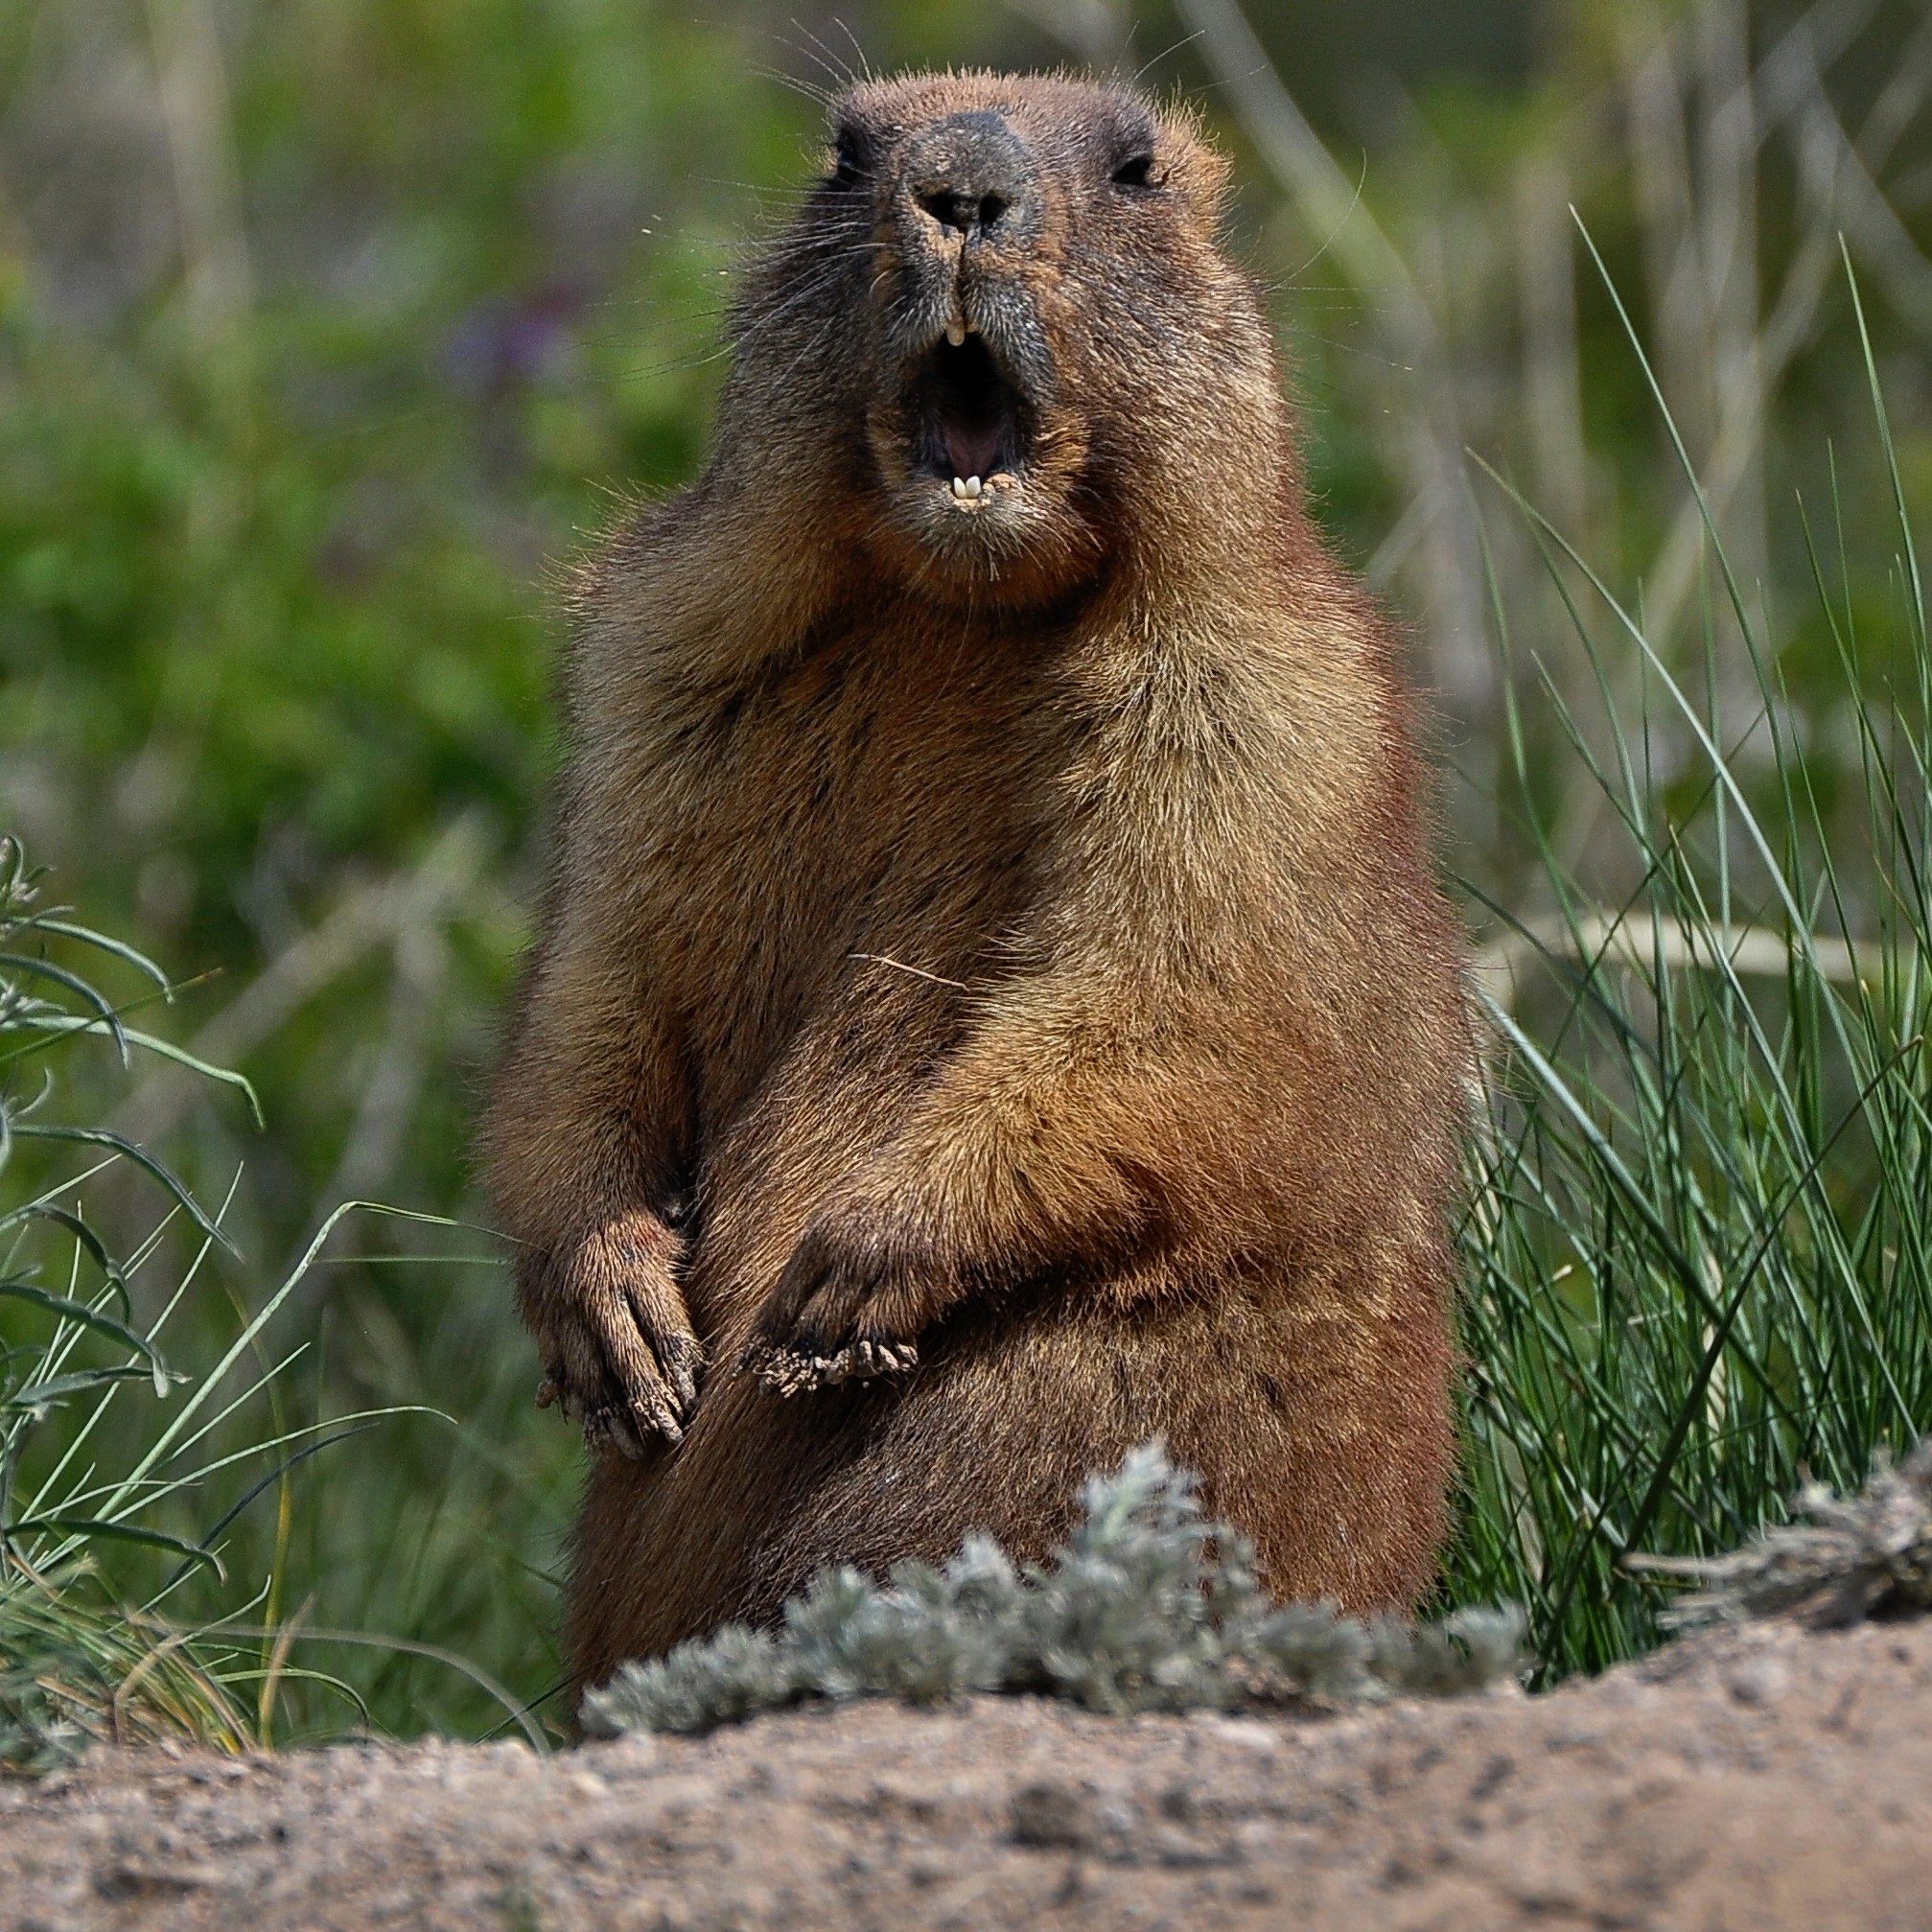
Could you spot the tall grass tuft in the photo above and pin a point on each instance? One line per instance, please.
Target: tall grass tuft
(80, 1483)
(1699, 1245)
(72, 1665)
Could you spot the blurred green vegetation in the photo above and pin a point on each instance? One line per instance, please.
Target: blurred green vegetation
(328, 326)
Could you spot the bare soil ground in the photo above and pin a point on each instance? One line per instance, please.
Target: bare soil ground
(1751, 1778)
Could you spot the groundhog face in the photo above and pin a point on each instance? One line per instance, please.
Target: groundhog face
(1006, 308)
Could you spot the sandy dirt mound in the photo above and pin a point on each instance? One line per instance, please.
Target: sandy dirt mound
(1753, 1778)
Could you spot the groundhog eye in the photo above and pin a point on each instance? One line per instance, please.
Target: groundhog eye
(1143, 171)
(846, 169)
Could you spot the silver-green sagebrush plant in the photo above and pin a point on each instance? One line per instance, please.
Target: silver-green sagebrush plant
(1148, 1606)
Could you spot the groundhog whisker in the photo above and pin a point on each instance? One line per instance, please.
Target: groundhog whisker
(748, 326)
(833, 62)
(819, 96)
(821, 271)
(818, 267)
(821, 58)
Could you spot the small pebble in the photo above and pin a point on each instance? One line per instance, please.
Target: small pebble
(1757, 1680)
(1051, 1817)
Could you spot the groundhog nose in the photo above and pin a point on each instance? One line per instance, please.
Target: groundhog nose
(971, 172)
(964, 208)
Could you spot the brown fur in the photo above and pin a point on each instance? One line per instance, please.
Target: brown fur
(1000, 939)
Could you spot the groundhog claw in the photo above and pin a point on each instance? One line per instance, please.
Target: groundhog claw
(847, 1307)
(680, 1357)
(795, 1371)
(626, 1421)
(620, 1357)
(608, 1427)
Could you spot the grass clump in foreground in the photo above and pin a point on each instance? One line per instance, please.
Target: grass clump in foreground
(1149, 1606)
(1698, 1250)
(73, 1664)
(93, 1498)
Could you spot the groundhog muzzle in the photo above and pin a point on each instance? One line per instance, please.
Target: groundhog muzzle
(992, 1004)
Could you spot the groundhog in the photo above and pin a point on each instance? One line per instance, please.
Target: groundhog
(993, 1005)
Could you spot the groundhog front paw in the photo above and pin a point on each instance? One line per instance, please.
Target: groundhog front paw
(618, 1352)
(848, 1308)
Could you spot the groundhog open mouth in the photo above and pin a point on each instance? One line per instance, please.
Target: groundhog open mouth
(974, 420)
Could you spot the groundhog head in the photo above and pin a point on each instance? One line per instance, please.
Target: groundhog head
(1000, 335)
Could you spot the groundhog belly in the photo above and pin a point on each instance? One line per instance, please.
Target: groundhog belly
(1283, 1407)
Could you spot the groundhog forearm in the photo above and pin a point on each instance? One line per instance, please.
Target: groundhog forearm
(582, 1150)
(584, 1121)
(1009, 1170)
